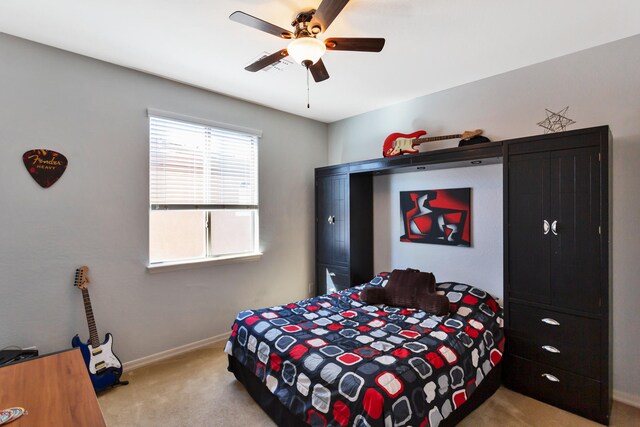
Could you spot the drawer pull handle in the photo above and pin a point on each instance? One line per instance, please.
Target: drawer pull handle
(550, 378)
(545, 227)
(550, 321)
(550, 349)
(332, 274)
(331, 220)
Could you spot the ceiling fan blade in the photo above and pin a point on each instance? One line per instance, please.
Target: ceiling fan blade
(326, 13)
(261, 25)
(355, 44)
(267, 60)
(319, 71)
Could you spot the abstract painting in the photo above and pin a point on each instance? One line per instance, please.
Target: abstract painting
(441, 217)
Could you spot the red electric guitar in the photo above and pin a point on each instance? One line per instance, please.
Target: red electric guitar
(400, 143)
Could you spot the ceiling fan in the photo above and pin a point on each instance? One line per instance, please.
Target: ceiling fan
(304, 47)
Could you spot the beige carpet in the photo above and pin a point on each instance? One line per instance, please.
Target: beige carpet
(195, 389)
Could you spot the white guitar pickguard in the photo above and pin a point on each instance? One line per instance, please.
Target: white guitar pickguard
(106, 356)
(403, 144)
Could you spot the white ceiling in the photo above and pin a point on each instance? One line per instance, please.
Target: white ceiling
(431, 45)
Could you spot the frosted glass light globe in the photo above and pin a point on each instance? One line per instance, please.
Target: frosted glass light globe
(306, 49)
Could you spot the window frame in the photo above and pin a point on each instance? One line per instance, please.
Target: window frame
(207, 260)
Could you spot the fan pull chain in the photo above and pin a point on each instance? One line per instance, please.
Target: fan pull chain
(307, 87)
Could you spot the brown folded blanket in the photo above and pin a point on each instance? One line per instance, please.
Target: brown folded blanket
(409, 288)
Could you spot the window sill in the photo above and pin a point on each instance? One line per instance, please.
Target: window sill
(208, 262)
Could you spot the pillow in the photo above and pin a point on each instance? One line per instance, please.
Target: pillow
(373, 295)
(409, 288)
(434, 303)
(411, 277)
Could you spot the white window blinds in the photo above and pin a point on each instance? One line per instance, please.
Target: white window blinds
(195, 166)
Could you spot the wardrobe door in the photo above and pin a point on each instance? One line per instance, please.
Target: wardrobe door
(575, 222)
(332, 221)
(529, 227)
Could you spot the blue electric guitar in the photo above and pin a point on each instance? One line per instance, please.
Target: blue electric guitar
(104, 367)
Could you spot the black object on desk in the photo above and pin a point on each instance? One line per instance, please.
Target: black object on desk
(12, 356)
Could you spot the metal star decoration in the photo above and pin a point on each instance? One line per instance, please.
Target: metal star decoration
(556, 121)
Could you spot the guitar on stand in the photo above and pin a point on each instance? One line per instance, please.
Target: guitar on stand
(104, 367)
(397, 144)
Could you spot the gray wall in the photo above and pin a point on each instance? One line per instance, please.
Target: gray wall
(97, 213)
(479, 265)
(601, 86)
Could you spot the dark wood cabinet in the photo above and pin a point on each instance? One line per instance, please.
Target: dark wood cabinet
(344, 229)
(557, 287)
(557, 254)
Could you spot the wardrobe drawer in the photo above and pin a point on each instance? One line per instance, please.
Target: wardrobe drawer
(331, 278)
(557, 339)
(555, 386)
(571, 358)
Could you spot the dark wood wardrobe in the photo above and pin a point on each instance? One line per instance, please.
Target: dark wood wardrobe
(557, 287)
(344, 229)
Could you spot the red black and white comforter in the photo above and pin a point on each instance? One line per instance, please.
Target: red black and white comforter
(336, 361)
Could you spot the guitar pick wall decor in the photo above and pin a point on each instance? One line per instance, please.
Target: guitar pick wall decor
(45, 166)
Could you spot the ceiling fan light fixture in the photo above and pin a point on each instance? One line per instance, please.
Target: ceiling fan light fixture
(306, 49)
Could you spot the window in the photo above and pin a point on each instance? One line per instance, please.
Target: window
(203, 183)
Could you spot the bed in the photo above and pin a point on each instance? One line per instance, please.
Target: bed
(334, 360)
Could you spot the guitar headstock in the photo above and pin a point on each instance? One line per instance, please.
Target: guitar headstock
(82, 277)
(471, 133)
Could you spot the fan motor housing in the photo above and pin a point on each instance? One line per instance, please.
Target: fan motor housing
(301, 24)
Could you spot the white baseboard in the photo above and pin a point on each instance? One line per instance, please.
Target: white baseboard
(143, 361)
(627, 398)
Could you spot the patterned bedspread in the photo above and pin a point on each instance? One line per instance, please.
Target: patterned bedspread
(336, 361)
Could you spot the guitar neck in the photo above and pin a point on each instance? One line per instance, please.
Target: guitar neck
(93, 330)
(436, 138)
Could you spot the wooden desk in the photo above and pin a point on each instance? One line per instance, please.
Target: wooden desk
(55, 390)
